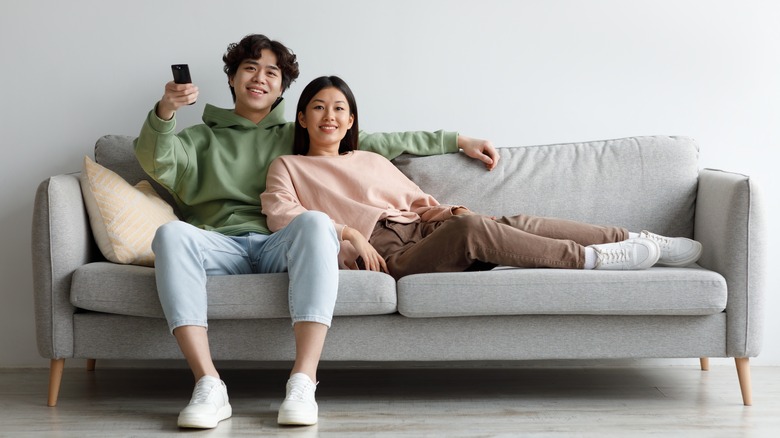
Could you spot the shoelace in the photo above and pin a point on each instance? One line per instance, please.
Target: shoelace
(201, 393)
(662, 241)
(612, 256)
(298, 390)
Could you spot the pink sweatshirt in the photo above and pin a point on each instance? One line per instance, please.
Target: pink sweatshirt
(357, 189)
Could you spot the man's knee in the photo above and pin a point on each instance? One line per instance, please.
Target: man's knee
(171, 233)
(313, 223)
(314, 232)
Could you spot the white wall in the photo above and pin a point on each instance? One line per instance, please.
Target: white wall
(516, 72)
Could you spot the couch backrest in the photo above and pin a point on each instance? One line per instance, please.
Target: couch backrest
(638, 182)
(117, 152)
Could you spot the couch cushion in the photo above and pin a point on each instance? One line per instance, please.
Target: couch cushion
(130, 290)
(511, 291)
(638, 182)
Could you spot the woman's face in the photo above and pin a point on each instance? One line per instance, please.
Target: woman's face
(327, 119)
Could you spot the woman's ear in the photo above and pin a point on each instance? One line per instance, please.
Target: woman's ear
(302, 119)
(351, 120)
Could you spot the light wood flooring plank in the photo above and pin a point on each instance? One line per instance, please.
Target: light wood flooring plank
(579, 401)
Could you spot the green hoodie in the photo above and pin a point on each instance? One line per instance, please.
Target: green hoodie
(216, 171)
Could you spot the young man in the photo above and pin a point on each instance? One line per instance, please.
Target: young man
(216, 171)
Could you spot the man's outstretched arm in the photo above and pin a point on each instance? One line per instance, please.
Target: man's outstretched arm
(391, 145)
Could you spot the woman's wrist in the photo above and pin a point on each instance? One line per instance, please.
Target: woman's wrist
(347, 233)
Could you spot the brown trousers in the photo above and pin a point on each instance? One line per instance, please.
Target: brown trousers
(477, 243)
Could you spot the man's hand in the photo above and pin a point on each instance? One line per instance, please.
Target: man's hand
(175, 97)
(482, 150)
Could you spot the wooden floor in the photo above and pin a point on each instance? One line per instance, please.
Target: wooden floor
(546, 400)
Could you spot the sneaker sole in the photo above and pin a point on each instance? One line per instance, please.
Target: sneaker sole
(288, 419)
(681, 263)
(204, 422)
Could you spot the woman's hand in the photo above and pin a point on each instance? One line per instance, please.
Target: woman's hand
(175, 97)
(371, 259)
(461, 211)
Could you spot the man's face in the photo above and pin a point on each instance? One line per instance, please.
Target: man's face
(257, 84)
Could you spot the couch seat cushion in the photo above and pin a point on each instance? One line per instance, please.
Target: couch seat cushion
(131, 290)
(511, 291)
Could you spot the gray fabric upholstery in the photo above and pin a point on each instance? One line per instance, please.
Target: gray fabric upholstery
(388, 338)
(61, 242)
(130, 290)
(86, 307)
(730, 223)
(638, 183)
(657, 291)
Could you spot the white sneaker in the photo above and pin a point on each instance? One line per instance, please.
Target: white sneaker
(675, 251)
(209, 405)
(632, 254)
(299, 407)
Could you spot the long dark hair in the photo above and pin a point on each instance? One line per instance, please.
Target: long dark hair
(350, 140)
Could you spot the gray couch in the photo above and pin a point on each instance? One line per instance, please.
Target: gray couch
(89, 308)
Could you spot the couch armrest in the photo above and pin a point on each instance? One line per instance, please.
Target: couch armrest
(730, 224)
(61, 242)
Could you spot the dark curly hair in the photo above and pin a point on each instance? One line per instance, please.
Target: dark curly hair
(249, 48)
(301, 139)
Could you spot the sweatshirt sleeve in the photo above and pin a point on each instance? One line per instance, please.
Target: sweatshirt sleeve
(439, 213)
(161, 153)
(421, 203)
(426, 206)
(391, 145)
(279, 201)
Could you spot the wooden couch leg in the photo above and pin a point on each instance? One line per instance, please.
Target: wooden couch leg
(743, 373)
(91, 364)
(55, 378)
(705, 363)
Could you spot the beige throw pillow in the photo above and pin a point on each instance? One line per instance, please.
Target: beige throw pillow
(124, 218)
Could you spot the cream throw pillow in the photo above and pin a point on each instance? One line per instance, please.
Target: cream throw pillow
(123, 218)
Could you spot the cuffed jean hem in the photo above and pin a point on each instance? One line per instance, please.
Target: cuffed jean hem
(183, 322)
(322, 320)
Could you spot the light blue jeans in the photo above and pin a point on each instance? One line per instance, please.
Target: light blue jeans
(307, 248)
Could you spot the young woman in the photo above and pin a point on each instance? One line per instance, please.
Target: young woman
(387, 223)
